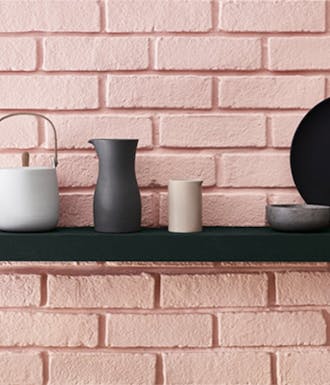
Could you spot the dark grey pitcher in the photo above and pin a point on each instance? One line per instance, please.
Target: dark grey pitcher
(117, 201)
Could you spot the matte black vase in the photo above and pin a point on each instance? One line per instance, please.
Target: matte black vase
(117, 201)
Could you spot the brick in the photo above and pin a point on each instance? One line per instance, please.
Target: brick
(281, 198)
(117, 291)
(283, 127)
(20, 369)
(158, 15)
(213, 290)
(95, 53)
(303, 288)
(226, 209)
(19, 132)
(272, 329)
(21, 54)
(74, 131)
(153, 91)
(19, 290)
(208, 53)
(48, 329)
(77, 209)
(166, 330)
(226, 130)
(234, 209)
(157, 170)
(284, 92)
(209, 368)
(304, 368)
(255, 170)
(49, 16)
(149, 214)
(49, 92)
(102, 368)
(14, 160)
(299, 53)
(74, 170)
(272, 15)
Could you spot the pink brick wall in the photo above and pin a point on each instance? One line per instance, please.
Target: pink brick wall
(164, 324)
(212, 89)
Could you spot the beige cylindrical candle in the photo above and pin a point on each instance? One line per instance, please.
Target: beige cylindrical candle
(185, 206)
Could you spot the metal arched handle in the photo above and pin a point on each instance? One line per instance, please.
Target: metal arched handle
(39, 116)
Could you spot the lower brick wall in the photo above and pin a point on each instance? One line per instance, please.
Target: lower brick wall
(173, 324)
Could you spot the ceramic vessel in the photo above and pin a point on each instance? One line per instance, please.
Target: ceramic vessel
(117, 201)
(298, 217)
(29, 197)
(185, 206)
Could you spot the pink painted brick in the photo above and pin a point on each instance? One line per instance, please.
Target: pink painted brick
(20, 369)
(74, 170)
(304, 368)
(213, 290)
(285, 198)
(166, 330)
(328, 83)
(148, 202)
(272, 329)
(48, 329)
(95, 53)
(226, 130)
(77, 209)
(209, 368)
(49, 15)
(154, 91)
(157, 170)
(210, 53)
(102, 368)
(234, 209)
(19, 132)
(298, 53)
(19, 290)
(20, 54)
(271, 91)
(118, 291)
(74, 131)
(226, 209)
(272, 15)
(303, 288)
(283, 127)
(252, 170)
(49, 92)
(10, 160)
(158, 15)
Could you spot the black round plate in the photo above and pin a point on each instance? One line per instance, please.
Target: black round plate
(310, 155)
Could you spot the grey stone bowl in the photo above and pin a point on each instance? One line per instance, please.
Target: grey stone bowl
(301, 218)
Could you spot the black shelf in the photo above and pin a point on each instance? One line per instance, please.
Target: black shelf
(213, 244)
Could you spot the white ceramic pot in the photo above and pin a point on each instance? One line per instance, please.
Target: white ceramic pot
(29, 197)
(185, 206)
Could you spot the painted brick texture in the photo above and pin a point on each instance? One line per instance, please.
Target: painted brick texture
(213, 89)
(142, 323)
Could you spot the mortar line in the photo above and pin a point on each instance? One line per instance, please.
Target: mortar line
(271, 298)
(45, 367)
(159, 370)
(215, 331)
(102, 331)
(273, 368)
(157, 291)
(43, 290)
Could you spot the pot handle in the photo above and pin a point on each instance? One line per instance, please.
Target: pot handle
(55, 160)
